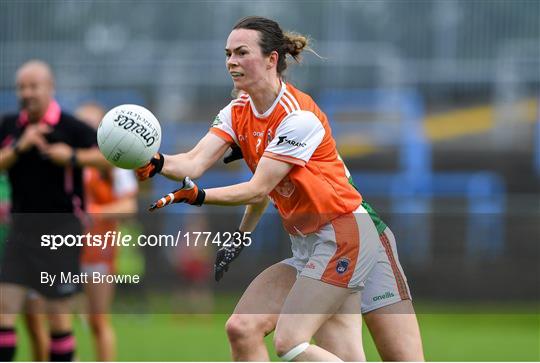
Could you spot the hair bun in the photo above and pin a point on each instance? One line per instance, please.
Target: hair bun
(272, 38)
(296, 43)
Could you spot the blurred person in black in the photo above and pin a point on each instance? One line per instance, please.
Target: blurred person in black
(43, 150)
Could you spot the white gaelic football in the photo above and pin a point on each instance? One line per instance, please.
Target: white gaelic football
(128, 136)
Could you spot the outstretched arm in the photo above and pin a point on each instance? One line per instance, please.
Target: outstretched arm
(192, 163)
(267, 176)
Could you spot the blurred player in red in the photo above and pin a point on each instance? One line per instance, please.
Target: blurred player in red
(337, 239)
(110, 194)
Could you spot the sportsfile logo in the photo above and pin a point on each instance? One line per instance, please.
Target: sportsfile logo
(130, 124)
(283, 139)
(386, 295)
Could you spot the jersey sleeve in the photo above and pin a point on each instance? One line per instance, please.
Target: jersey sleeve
(222, 125)
(124, 182)
(297, 138)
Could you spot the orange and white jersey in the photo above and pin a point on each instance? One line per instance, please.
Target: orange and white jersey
(102, 188)
(296, 131)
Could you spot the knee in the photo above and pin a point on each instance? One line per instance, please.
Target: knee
(98, 323)
(60, 323)
(281, 345)
(288, 346)
(7, 320)
(241, 327)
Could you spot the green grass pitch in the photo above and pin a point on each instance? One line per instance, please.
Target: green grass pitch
(447, 337)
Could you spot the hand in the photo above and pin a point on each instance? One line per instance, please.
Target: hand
(153, 167)
(59, 153)
(226, 255)
(33, 135)
(235, 153)
(189, 193)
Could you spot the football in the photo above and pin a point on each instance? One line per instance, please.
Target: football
(128, 136)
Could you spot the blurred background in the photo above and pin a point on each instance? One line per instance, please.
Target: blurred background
(434, 106)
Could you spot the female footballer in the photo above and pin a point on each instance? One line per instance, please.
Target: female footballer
(286, 141)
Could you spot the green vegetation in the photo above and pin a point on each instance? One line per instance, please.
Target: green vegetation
(447, 337)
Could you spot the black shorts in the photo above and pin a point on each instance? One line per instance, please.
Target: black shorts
(25, 262)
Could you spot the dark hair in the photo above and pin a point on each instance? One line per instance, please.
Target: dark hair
(272, 38)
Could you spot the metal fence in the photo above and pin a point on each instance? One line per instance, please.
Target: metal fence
(451, 49)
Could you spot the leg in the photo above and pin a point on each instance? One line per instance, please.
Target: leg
(342, 333)
(99, 300)
(337, 259)
(36, 324)
(62, 346)
(11, 303)
(104, 337)
(395, 331)
(257, 312)
(307, 307)
(387, 306)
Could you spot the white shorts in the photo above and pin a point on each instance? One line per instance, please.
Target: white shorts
(103, 268)
(386, 283)
(341, 253)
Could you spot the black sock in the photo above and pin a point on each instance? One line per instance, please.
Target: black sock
(62, 347)
(8, 343)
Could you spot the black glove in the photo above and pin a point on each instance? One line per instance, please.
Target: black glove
(152, 168)
(226, 255)
(234, 154)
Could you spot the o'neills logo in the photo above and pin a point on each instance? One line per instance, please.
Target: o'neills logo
(133, 126)
(386, 295)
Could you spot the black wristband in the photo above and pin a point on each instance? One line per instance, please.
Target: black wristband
(158, 164)
(201, 194)
(73, 159)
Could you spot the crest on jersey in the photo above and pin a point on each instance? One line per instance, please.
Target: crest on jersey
(269, 137)
(216, 121)
(342, 265)
(285, 188)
